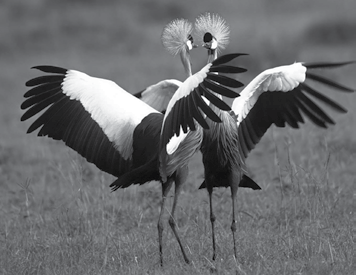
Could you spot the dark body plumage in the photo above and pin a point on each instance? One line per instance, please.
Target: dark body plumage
(222, 162)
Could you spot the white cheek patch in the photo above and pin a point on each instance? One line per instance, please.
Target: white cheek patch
(189, 45)
(214, 44)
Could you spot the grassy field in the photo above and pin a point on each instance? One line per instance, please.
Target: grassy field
(57, 215)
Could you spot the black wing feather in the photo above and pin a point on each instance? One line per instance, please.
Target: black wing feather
(214, 99)
(326, 65)
(42, 88)
(315, 108)
(224, 80)
(196, 112)
(40, 97)
(219, 89)
(208, 111)
(286, 107)
(226, 69)
(332, 104)
(44, 79)
(328, 82)
(226, 58)
(67, 120)
(192, 107)
(41, 105)
(47, 116)
(51, 69)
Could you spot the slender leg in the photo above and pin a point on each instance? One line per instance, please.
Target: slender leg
(181, 177)
(212, 219)
(166, 186)
(234, 186)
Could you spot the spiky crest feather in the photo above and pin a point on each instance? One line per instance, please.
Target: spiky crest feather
(216, 25)
(175, 35)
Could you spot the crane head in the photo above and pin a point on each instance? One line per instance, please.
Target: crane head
(177, 39)
(214, 31)
(210, 43)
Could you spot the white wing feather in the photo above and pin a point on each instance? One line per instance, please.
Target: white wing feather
(158, 95)
(283, 78)
(116, 111)
(187, 87)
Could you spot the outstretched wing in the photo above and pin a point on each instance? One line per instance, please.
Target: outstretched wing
(280, 95)
(93, 116)
(188, 105)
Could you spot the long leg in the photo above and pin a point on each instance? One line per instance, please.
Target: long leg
(166, 186)
(181, 176)
(234, 186)
(212, 219)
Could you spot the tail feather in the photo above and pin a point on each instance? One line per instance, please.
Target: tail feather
(203, 185)
(246, 182)
(140, 175)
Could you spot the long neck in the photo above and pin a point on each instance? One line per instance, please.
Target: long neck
(212, 55)
(185, 58)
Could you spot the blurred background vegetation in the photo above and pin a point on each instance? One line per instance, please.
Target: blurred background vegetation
(120, 40)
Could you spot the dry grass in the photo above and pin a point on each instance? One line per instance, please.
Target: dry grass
(57, 215)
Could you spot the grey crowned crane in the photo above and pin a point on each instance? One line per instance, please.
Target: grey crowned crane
(113, 129)
(178, 149)
(276, 96)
